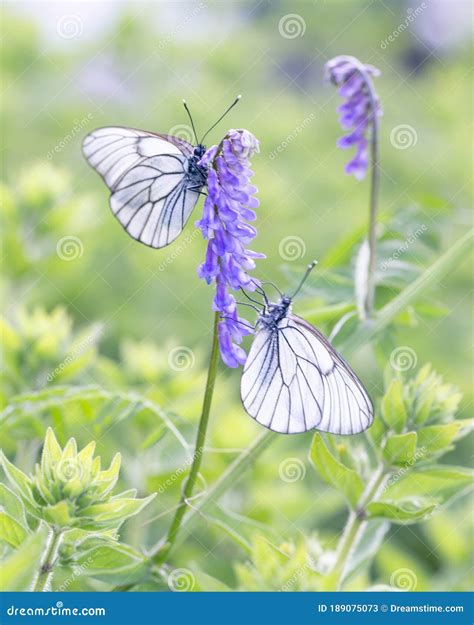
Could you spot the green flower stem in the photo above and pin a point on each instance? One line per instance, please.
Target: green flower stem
(47, 564)
(188, 489)
(374, 199)
(354, 529)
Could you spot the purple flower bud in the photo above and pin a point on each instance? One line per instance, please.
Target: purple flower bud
(358, 111)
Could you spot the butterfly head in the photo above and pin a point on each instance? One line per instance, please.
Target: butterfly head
(199, 151)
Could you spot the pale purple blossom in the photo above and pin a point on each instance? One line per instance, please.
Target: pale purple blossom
(358, 112)
(227, 210)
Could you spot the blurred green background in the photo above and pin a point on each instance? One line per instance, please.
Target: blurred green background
(69, 68)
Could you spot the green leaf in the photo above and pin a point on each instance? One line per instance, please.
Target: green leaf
(410, 510)
(51, 453)
(58, 514)
(114, 563)
(400, 448)
(19, 481)
(11, 532)
(439, 481)
(115, 509)
(19, 570)
(393, 407)
(12, 504)
(436, 438)
(333, 472)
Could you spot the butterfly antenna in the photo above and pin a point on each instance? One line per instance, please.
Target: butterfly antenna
(274, 286)
(190, 119)
(309, 269)
(250, 299)
(221, 117)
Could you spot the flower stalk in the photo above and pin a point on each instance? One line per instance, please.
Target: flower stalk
(354, 529)
(360, 113)
(46, 568)
(188, 489)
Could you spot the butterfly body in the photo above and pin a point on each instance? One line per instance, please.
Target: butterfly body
(197, 174)
(274, 313)
(294, 380)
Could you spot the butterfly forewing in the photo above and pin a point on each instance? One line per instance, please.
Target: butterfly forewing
(294, 381)
(151, 194)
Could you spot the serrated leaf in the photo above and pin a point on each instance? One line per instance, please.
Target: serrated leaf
(19, 570)
(393, 407)
(409, 510)
(400, 448)
(11, 532)
(333, 472)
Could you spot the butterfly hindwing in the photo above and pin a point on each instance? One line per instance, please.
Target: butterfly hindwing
(294, 381)
(147, 175)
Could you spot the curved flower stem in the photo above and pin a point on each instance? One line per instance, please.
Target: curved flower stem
(353, 531)
(187, 492)
(374, 199)
(47, 564)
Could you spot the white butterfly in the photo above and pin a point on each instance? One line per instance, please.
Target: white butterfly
(155, 179)
(295, 381)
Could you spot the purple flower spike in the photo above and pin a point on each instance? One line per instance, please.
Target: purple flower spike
(227, 209)
(358, 112)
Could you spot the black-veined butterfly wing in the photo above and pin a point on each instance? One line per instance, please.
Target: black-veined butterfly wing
(152, 194)
(294, 381)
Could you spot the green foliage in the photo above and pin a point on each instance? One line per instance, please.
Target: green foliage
(70, 494)
(334, 472)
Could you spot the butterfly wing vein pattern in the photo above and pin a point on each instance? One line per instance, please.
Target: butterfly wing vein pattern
(147, 174)
(294, 381)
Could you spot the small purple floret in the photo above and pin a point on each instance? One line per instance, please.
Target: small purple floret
(228, 207)
(357, 113)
